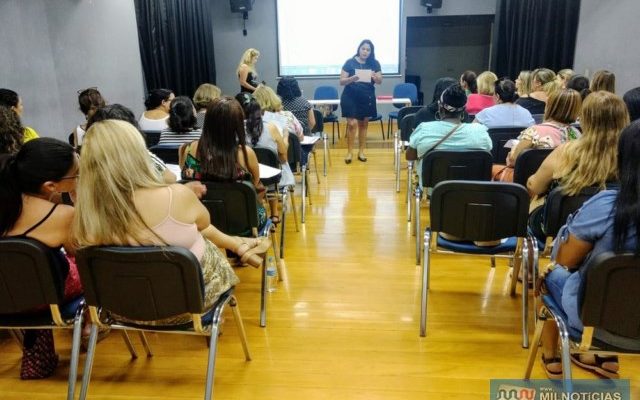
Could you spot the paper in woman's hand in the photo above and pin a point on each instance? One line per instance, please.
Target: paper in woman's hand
(364, 75)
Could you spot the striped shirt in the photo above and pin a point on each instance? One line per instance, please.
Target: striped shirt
(177, 138)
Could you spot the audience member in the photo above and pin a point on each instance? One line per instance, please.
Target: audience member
(563, 77)
(32, 180)
(11, 131)
(606, 222)
(603, 80)
(182, 122)
(468, 82)
(543, 83)
(89, 100)
(580, 84)
(292, 100)
(202, 98)
(158, 104)
(10, 99)
(429, 112)
(484, 98)
(632, 100)
(271, 106)
(505, 113)
(523, 84)
(246, 71)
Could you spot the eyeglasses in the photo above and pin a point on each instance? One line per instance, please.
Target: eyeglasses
(84, 90)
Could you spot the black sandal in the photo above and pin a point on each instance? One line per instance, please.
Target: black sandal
(547, 362)
(599, 366)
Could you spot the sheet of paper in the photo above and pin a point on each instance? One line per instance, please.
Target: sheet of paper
(310, 139)
(267, 171)
(279, 120)
(364, 75)
(175, 168)
(511, 143)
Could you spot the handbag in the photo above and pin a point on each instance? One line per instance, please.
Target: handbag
(39, 358)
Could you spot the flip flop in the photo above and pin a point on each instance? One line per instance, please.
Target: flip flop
(604, 366)
(546, 363)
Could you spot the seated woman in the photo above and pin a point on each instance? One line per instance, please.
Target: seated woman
(221, 154)
(477, 102)
(182, 122)
(149, 212)
(505, 113)
(265, 135)
(587, 162)
(10, 99)
(606, 222)
(428, 113)
(543, 83)
(563, 77)
(292, 100)
(202, 98)
(11, 131)
(272, 110)
(562, 110)
(89, 100)
(580, 84)
(523, 84)
(158, 104)
(31, 179)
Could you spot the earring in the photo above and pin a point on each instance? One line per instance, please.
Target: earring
(438, 116)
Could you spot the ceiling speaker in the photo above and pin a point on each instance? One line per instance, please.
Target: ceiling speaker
(240, 5)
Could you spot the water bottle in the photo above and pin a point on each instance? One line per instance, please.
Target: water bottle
(272, 275)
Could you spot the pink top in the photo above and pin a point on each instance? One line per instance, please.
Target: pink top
(549, 135)
(176, 233)
(478, 102)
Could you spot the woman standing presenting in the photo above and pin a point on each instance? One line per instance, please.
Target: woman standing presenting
(358, 99)
(247, 75)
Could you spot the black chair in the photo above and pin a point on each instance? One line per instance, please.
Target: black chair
(478, 211)
(499, 137)
(401, 90)
(151, 137)
(446, 165)
(30, 277)
(234, 211)
(528, 163)
(167, 153)
(407, 124)
(294, 153)
(468, 118)
(399, 144)
(319, 129)
(268, 157)
(126, 284)
(608, 310)
(328, 93)
(538, 118)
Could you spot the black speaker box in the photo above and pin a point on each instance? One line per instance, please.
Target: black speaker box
(240, 5)
(431, 3)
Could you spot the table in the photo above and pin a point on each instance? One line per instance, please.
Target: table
(265, 171)
(336, 102)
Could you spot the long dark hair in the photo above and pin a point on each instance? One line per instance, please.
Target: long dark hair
(252, 115)
(627, 207)
(156, 97)
(11, 131)
(469, 77)
(38, 161)
(372, 55)
(9, 98)
(181, 115)
(222, 133)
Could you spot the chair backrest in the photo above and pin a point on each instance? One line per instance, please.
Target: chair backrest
(151, 137)
(268, 157)
(232, 207)
(499, 137)
(294, 152)
(407, 125)
(29, 276)
(326, 93)
(468, 118)
(408, 110)
(406, 90)
(142, 283)
(317, 114)
(528, 163)
(447, 165)
(480, 211)
(558, 206)
(167, 153)
(538, 118)
(610, 299)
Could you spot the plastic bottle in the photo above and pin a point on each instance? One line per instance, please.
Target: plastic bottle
(272, 275)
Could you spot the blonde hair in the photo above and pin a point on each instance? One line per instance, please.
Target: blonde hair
(563, 106)
(267, 98)
(603, 80)
(486, 83)
(565, 74)
(114, 164)
(205, 94)
(247, 58)
(547, 79)
(592, 159)
(524, 88)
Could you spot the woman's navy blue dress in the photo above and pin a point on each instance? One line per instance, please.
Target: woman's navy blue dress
(358, 99)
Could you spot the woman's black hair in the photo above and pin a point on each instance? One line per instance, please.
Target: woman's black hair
(156, 97)
(288, 88)
(9, 98)
(182, 117)
(90, 99)
(469, 77)
(372, 55)
(506, 90)
(632, 100)
(252, 116)
(580, 84)
(11, 131)
(627, 206)
(452, 101)
(113, 111)
(441, 85)
(38, 161)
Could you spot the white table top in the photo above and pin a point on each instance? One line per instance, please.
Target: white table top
(335, 102)
(265, 170)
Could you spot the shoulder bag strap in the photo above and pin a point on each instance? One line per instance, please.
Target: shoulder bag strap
(439, 142)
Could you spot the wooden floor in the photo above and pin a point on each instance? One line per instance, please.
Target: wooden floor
(343, 324)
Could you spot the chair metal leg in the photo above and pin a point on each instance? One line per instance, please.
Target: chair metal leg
(526, 249)
(293, 207)
(315, 164)
(425, 283)
(306, 182)
(409, 191)
(533, 351)
(283, 218)
(145, 344)
(211, 362)
(88, 363)
(416, 219)
(396, 166)
(263, 295)
(304, 193)
(240, 326)
(515, 271)
(75, 356)
(127, 341)
(565, 352)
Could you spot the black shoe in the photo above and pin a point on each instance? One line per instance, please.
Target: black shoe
(362, 158)
(347, 160)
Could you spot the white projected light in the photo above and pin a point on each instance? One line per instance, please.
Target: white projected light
(317, 37)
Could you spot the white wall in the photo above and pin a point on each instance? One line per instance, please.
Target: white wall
(607, 37)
